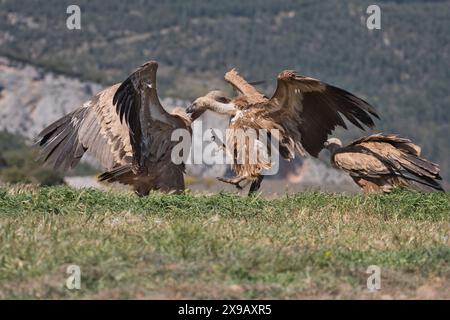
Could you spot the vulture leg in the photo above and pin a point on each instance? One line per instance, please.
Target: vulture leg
(255, 185)
(233, 181)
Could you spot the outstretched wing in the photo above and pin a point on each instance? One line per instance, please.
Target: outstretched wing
(121, 125)
(245, 88)
(95, 127)
(137, 105)
(310, 110)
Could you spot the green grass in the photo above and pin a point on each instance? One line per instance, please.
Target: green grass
(310, 245)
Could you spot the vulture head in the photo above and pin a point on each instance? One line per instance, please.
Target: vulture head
(332, 145)
(216, 101)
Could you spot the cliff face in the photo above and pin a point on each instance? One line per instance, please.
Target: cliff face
(31, 99)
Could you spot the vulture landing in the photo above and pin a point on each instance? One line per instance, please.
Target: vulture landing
(304, 110)
(127, 129)
(379, 162)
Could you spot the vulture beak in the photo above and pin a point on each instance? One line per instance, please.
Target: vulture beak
(193, 112)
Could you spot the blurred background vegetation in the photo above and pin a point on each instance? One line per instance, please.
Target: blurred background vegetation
(402, 69)
(19, 164)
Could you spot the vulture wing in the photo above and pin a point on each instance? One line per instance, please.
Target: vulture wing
(360, 164)
(238, 83)
(381, 155)
(94, 127)
(310, 110)
(150, 126)
(400, 143)
(121, 125)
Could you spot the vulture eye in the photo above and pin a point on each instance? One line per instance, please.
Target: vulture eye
(223, 100)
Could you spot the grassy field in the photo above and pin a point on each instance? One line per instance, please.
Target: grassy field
(311, 245)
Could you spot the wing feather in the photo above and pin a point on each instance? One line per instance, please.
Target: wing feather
(360, 164)
(399, 156)
(117, 126)
(138, 105)
(310, 109)
(93, 127)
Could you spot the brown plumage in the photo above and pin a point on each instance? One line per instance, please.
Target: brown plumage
(303, 109)
(127, 130)
(380, 162)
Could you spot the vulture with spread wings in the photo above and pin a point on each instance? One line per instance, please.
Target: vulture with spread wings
(303, 110)
(127, 129)
(379, 162)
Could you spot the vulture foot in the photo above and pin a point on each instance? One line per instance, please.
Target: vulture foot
(235, 181)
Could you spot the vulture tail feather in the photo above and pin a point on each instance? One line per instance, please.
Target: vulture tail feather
(421, 183)
(431, 168)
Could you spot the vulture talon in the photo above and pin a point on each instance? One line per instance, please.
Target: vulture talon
(233, 181)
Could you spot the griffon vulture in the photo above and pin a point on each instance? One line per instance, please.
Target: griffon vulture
(304, 111)
(127, 130)
(379, 162)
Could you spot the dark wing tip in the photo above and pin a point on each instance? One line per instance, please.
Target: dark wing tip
(127, 87)
(114, 174)
(287, 74)
(373, 112)
(59, 145)
(354, 108)
(152, 64)
(370, 109)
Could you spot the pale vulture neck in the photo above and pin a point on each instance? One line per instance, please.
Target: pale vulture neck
(223, 108)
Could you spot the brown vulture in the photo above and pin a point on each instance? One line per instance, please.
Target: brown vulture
(127, 129)
(380, 162)
(304, 110)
